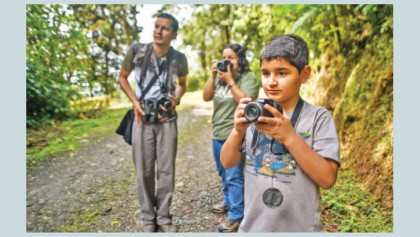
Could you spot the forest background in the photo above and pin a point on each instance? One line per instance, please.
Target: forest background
(73, 54)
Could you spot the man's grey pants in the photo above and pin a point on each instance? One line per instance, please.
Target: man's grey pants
(155, 143)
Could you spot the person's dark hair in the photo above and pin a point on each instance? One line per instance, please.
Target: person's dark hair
(174, 21)
(291, 48)
(240, 51)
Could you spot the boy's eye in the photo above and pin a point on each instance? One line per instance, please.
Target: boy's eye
(264, 73)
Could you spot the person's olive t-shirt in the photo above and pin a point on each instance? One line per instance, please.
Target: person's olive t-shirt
(225, 105)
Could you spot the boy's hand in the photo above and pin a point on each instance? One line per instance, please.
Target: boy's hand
(279, 127)
(240, 122)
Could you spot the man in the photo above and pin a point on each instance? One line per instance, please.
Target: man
(157, 66)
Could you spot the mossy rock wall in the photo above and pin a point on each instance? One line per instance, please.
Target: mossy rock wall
(358, 90)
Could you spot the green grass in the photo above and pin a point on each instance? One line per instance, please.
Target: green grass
(55, 138)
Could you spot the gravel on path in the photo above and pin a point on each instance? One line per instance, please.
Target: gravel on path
(93, 189)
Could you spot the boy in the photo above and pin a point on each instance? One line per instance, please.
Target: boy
(287, 159)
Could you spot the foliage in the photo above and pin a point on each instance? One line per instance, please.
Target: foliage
(49, 56)
(368, 133)
(109, 31)
(73, 51)
(214, 26)
(355, 70)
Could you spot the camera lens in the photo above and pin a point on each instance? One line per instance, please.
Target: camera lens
(253, 111)
(221, 66)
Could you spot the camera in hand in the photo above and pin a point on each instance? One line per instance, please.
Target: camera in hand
(223, 65)
(166, 102)
(151, 108)
(255, 109)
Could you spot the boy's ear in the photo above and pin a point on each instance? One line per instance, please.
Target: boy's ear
(305, 73)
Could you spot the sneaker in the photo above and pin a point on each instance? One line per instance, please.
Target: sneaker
(228, 226)
(168, 228)
(219, 208)
(149, 228)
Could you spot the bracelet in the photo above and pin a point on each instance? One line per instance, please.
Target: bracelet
(230, 85)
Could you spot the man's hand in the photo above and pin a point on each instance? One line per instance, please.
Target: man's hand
(175, 100)
(138, 112)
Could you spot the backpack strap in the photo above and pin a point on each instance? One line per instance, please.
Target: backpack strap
(146, 59)
(144, 62)
(144, 92)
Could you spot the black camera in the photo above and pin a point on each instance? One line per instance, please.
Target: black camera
(255, 109)
(222, 65)
(151, 108)
(166, 102)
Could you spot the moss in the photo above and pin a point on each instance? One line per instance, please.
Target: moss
(362, 106)
(350, 207)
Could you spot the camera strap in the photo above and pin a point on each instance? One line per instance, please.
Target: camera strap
(145, 61)
(165, 66)
(296, 112)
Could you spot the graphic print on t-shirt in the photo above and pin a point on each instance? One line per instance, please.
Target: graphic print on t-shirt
(222, 91)
(271, 161)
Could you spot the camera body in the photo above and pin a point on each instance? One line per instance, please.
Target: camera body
(151, 108)
(166, 102)
(223, 65)
(255, 109)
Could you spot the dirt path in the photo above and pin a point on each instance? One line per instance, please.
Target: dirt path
(93, 189)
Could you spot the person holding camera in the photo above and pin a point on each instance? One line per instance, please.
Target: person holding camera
(230, 81)
(290, 150)
(158, 69)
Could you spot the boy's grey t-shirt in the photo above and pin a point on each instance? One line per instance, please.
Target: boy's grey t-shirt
(300, 208)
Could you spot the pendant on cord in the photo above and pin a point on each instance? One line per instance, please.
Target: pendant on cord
(272, 198)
